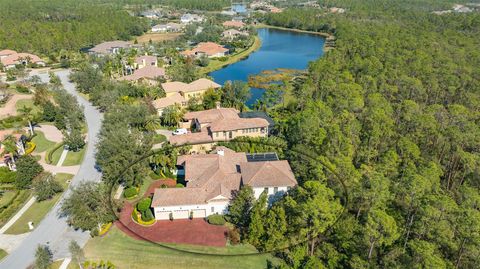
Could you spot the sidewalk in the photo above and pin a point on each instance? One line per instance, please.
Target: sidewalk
(17, 215)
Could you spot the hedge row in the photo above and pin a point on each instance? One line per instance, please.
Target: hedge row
(13, 206)
(48, 157)
(216, 219)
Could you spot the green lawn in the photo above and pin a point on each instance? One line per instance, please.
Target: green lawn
(38, 210)
(3, 253)
(7, 197)
(126, 252)
(73, 158)
(43, 144)
(28, 103)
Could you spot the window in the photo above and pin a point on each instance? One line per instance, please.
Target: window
(275, 190)
(212, 209)
(216, 134)
(265, 190)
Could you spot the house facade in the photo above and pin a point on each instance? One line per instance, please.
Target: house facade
(10, 59)
(169, 27)
(144, 61)
(212, 179)
(209, 49)
(110, 47)
(148, 75)
(220, 124)
(191, 18)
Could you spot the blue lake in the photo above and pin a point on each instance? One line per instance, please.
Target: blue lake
(280, 49)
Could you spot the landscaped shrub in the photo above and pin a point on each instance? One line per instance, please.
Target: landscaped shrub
(27, 169)
(7, 176)
(130, 192)
(216, 219)
(22, 88)
(147, 215)
(179, 185)
(30, 148)
(144, 204)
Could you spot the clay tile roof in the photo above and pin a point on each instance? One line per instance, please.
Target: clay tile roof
(192, 138)
(149, 72)
(7, 52)
(237, 24)
(5, 133)
(267, 174)
(105, 47)
(209, 48)
(197, 85)
(178, 196)
(149, 60)
(16, 57)
(175, 98)
(211, 115)
(238, 124)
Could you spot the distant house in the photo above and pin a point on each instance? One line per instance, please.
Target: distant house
(232, 34)
(144, 61)
(151, 14)
(210, 49)
(233, 24)
(180, 93)
(191, 18)
(10, 59)
(148, 75)
(110, 47)
(169, 27)
(212, 179)
(6, 159)
(337, 10)
(219, 124)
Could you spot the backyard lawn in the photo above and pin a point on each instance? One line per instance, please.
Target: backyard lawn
(126, 252)
(42, 143)
(38, 210)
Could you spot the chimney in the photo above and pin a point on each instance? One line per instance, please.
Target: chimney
(144, 63)
(221, 152)
(217, 105)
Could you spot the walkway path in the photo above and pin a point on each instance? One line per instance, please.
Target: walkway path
(9, 109)
(53, 228)
(62, 158)
(17, 215)
(51, 132)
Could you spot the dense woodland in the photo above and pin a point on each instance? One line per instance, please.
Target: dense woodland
(394, 113)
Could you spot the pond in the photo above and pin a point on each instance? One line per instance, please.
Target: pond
(280, 49)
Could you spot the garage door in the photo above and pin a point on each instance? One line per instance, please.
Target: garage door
(199, 213)
(161, 215)
(180, 214)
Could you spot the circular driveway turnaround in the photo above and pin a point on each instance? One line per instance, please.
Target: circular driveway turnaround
(53, 229)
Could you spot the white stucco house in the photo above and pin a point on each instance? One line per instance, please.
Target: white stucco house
(213, 178)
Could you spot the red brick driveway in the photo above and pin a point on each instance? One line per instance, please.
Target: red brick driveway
(195, 232)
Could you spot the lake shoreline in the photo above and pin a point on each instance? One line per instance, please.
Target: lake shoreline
(262, 25)
(257, 43)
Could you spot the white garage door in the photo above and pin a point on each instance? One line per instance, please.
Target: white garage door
(180, 214)
(161, 215)
(199, 213)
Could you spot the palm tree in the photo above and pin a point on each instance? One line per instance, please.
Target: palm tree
(152, 123)
(10, 147)
(172, 115)
(26, 112)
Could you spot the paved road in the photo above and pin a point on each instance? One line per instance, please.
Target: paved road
(54, 229)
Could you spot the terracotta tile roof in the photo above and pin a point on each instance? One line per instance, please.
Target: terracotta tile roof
(149, 60)
(5, 133)
(209, 176)
(238, 124)
(192, 138)
(267, 174)
(209, 48)
(176, 98)
(150, 72)
(211, 115)
(236, 24)
(197, 85)
(15, 58)
(7, 52)
(105, 47)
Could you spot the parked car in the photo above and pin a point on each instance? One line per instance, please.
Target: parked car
(180, 131)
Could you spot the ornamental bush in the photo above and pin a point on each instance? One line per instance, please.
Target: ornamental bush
(144, 205)
(7, 176)
(147, 215)
(130, 192)
(216, 219)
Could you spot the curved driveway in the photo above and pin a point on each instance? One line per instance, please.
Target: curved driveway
(53, 230)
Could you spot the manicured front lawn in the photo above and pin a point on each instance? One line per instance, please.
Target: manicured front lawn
(38, 210)
(42, 143)
(126, 252)
(7, 197)
(56, 155)
(27, 103)
(3, 253)
(74, 158)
